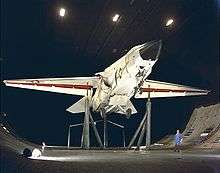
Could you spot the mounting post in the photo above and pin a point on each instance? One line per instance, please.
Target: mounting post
(68, 140)
(105, 129)
(95, 131)
(123, 134)
(148, 129)
(138, 130)
(85, 136)
(144, 126)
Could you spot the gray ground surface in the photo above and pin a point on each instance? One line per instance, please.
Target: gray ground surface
(195, 158)
(55, 160)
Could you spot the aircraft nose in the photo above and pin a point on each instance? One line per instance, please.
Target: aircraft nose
(150, 50)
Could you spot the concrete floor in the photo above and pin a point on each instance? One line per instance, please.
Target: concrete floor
(55, 160)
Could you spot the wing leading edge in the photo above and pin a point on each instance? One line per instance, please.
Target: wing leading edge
(159, 89)
(72, 86)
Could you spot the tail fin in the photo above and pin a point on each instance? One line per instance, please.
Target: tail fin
(77, 107)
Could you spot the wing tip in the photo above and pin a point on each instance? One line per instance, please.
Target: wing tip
(207, 91)
(202, 92)
(5, 82)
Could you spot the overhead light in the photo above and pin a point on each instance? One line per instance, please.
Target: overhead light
(115, 17)
(204, 134)
(169, 22)
(62, 12)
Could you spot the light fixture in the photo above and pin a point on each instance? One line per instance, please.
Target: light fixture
(169, 22)
(36, 153)
(115, 17)
(204, 134)
(62, 12)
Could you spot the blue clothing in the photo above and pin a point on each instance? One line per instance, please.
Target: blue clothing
(178, 138)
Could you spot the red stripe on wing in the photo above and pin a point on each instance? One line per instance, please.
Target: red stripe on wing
(54, 85)
(170, 90)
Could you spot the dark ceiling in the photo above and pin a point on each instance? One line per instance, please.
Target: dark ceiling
(36, 42)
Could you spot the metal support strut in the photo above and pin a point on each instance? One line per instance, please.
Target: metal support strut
(85, 143)
(137, 131)
(105, 129)
(85, 140)
(95, 131)
(144, 127)
(82, 124)
(148, 129)
(68, 139)
(93, 123)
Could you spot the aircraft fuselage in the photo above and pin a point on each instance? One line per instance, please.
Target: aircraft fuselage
(120, 81)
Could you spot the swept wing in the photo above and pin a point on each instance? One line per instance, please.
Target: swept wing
(159, 89)
(72, 85)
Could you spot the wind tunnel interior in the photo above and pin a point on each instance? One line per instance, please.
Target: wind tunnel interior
(151, 50)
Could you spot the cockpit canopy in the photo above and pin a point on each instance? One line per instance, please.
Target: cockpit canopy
(150, 50)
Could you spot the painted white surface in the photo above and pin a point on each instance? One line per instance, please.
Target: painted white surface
(125, 78)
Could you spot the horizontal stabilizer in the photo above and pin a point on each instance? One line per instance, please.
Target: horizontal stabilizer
(77, 107)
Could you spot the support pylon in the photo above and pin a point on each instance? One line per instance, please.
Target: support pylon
(144, 127)
(95, 131)
(105, 130)
(85, 143)
(148, 129)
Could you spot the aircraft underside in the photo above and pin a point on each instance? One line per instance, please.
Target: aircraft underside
(114, 86)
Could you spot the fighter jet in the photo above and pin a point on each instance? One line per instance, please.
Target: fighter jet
(111, 90)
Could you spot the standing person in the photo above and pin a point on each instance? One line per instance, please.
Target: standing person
(178, 141)
(43, 146)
